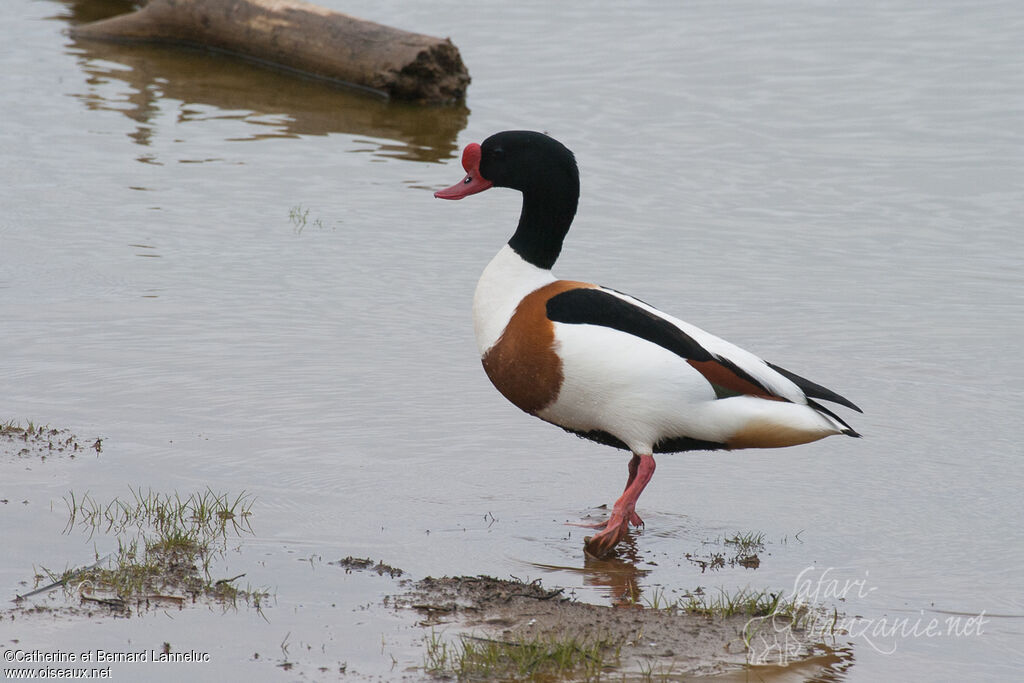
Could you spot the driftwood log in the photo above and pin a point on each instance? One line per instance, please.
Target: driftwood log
(302, 37)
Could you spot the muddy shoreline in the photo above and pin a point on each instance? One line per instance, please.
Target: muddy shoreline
(462, 627)
(484, 624)
(637, 641)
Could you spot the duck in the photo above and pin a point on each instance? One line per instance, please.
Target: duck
(604, 365)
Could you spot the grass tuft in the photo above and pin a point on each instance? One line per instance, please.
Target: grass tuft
(299, 218)
(199, 518)
(539, 658)
(166, 544)
(42, 441)
(740, 549)
(744, 602)
(748, 543)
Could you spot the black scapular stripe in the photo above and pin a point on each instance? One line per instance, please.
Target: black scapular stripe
(587, 306)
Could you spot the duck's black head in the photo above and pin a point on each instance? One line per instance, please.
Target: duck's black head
(540, 167)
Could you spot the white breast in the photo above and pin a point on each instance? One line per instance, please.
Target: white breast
(502, 285)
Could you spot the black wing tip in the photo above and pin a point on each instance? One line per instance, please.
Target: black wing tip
(846, 428)
(813, 389)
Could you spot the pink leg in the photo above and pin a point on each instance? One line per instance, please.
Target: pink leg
(634, 518)
(641, 469)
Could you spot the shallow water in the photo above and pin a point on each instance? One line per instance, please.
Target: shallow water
(835, 188)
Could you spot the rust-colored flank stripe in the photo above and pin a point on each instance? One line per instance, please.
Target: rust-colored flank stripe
(721, 376)
(523, 364)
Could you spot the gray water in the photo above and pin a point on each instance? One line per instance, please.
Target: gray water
(836, 187)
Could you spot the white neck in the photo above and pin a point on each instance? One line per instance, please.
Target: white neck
(504, 282)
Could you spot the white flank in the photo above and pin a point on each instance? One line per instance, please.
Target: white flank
(627, 386)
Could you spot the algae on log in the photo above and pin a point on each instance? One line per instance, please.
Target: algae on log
(303, 37)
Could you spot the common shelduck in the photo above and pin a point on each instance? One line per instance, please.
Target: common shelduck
(606, 366)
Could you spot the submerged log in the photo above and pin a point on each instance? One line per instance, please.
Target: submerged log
(302, 37)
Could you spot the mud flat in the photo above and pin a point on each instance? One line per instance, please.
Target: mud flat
(482, 627)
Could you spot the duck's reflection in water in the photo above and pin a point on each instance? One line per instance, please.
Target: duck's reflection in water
(618, 576)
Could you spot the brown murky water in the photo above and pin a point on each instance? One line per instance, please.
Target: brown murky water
(240, 280)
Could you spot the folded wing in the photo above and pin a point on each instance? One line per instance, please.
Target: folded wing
(730, 370)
